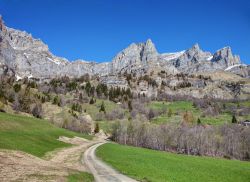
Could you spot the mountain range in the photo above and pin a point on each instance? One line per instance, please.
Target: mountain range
(25, 56)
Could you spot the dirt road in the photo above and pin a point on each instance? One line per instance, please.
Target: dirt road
(101, 171)
(54, 167)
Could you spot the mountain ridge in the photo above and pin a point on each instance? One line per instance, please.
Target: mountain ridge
(30, 57)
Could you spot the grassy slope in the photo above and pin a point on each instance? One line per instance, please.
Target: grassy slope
(80, 177)
(93, 111)
(176, 107)
(179, 107)
(106, 125)
(31, 135)
(157, 166)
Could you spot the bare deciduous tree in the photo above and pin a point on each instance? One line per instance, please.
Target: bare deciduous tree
(231, 141)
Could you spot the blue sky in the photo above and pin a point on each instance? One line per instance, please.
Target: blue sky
(98, 29)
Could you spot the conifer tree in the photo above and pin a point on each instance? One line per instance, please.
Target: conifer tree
(234, 120)
(91, 101)
(130, 105)
(97, 129)
(198, 121)
(170, 112)
(102, 109)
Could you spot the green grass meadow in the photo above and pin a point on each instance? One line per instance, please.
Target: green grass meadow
(80, 177)
(157, 166)
(31, 135)
(93, 109)
(179, 107)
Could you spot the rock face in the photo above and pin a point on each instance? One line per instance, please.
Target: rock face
(239, 69)
(225, 58)
(25, 56)
(30, 57)
(191, 56)
(135, 57)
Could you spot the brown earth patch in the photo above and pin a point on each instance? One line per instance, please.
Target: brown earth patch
(55, 166)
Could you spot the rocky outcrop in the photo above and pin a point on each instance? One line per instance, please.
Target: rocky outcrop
(191, 58)
(30, 57)
(114, 81)
(196, 60)
(149, 52)
(225, 58)
(239, 69)
(135, 57)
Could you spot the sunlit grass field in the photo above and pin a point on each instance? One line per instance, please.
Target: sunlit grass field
(31, 135)
(80, 177)
(178, 108)
(157, 166)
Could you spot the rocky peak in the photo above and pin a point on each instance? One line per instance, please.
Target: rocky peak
(195, 49)
(225, 57)
(135, 56)
(149, 46)
(21, 40)
(2, 26)
(29, 56)
(191, 57)
(224, 52)
(149, 52)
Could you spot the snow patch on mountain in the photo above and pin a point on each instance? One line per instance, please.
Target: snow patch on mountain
(233, 66)
(30, 76)
(56, 61)
(171, 56)
(209, 58)
(18, 77)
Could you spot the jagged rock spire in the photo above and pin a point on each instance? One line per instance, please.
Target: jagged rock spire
(2, 26)
(196, 46)
(149, 52)
(1, 23)
(226, 57)
(149, 46)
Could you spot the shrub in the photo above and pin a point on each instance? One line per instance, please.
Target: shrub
(198, 121)
(97, 129)
(56, 100)
(102, 109)
(130, 106)
(170, 112)
(92, 101)
(188, 117)
(37, 111)
(115, 114)
(43, 99)
(76, 107)
(32, 84)
(72, 85)
(17, 87)
(65, 123)
(234, 120)
(151, 114)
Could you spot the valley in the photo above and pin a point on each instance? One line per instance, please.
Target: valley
(144, 115)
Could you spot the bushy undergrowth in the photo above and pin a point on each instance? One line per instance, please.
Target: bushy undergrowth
(228, 140)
